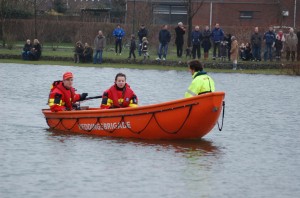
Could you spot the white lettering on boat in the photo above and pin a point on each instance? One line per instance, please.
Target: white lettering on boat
(104, 126)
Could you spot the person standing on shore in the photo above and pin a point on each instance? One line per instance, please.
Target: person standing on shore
(279, 45)
(99, 45)
(206, 42)
(179, 40)
(118, 33)
(291, 42)
(256, 41)
(196, 37)
(234, 52)
(132, 47)
(269, 38)
(217, 36)
(164, 39)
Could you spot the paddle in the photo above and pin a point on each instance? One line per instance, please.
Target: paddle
(77, 105)
(94, 97)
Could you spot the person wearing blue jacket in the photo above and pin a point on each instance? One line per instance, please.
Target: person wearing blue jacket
(269, 38)
(217, 36)
(118, 33)
(164, 39)
(196, 38)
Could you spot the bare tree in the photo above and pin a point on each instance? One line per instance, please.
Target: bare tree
(192, 9)
(37, 4)
(5, 7)
(14, 9)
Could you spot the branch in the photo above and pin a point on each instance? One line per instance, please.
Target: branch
(197, 9)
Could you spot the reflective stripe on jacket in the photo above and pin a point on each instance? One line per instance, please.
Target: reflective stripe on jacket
(201, 83)
(61, 98)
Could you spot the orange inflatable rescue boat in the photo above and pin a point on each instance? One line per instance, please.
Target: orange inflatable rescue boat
(187, 118)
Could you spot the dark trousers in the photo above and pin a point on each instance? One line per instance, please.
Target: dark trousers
(163, 50)
(278, 53)
(78, 57)
(256, 51)
(268, 52)
(196, 49)
(179, 50)
(216, 47)
(25, 55)
(131, 52)
(98, 56)
(291, 54)
(118, 44)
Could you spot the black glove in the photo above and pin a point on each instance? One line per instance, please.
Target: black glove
(76, 106)
(83, 96)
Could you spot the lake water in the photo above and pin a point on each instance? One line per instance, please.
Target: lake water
(256, 155)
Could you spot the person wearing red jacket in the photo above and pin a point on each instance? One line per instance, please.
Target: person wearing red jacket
(62, 95)
(119, 95)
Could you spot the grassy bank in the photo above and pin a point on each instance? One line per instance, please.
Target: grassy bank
(63, 54)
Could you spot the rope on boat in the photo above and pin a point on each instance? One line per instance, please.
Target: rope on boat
(153, 113)
(223, 106)
(176, 131)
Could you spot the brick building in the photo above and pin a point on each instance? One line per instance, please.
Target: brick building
(93, 10)
(226, 12)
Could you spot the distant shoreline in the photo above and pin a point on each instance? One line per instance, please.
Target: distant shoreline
(248, 67)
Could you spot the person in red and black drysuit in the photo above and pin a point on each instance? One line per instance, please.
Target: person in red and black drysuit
(62, 95)
(119, 95)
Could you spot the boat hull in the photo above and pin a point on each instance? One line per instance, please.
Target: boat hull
(187, 118)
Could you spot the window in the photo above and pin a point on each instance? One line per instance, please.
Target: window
(169, 14)
(246, 14)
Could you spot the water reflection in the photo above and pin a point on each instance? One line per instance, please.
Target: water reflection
(190, 148)
(197, 147)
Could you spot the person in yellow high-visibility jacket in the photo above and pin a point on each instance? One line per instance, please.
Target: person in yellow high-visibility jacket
(202, 83)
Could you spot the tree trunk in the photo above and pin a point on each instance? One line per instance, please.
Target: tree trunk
(35, 26)
(3, 32)
(190, 22)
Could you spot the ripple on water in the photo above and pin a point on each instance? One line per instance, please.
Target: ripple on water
(256, 154)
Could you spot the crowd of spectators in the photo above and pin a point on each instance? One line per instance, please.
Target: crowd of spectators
(32, 51)
(83, 53)
(275, 45)
(260, 46)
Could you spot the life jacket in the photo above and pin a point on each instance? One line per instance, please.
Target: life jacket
(127, 94)
(68, 94)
